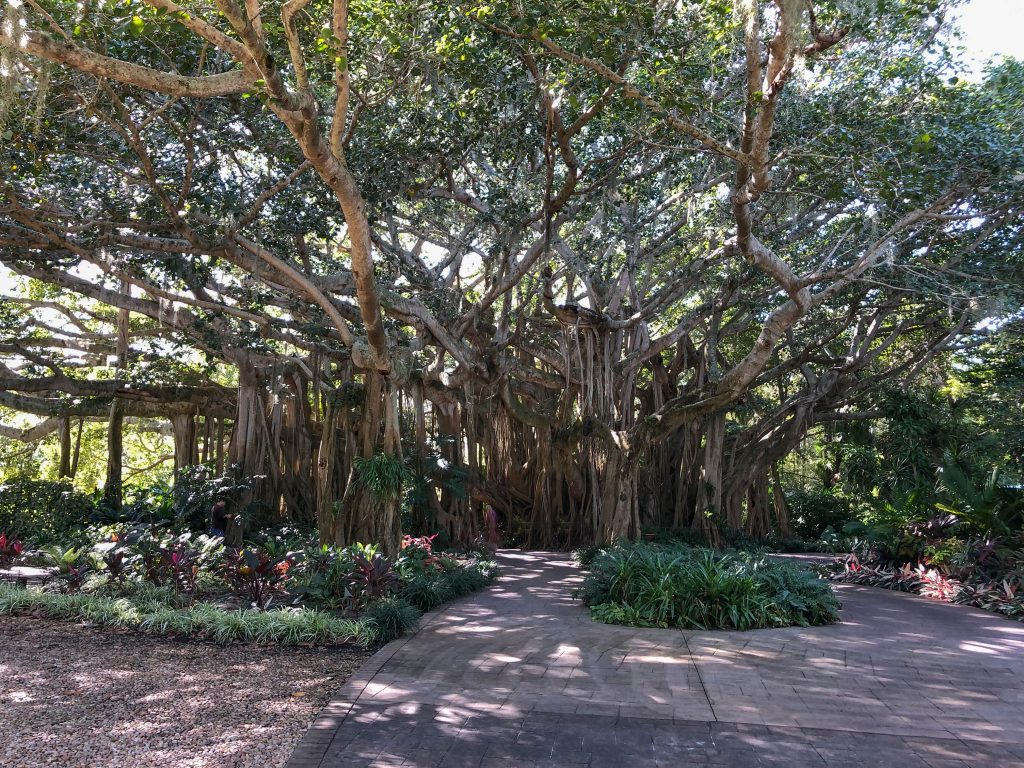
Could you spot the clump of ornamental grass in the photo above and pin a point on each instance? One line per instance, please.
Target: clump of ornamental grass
(676, 585)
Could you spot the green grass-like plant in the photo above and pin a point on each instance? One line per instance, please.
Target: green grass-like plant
(428, 590)
(390, 618)
(675, 585)
(202, 621)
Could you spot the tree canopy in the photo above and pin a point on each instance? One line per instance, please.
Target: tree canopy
(596, 265)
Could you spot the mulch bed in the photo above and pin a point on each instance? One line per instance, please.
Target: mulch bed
(77, 696)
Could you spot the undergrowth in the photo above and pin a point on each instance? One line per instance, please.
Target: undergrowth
(161, 610)
(149, 614)
(675, 585)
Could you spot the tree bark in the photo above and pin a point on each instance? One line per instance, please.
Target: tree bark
(113, 492)
(707, 515)
(186, 453)
(64, 465)
(365, 516)
(781, 508)
(249, 451)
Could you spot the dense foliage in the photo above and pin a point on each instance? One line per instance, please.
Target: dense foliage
(282, 587)
(42, 511)
(985, 572)
(595, 267)
(677, 585)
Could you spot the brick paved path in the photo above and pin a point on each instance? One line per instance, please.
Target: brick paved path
(518, 675)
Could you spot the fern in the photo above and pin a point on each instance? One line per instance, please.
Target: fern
(385, 476)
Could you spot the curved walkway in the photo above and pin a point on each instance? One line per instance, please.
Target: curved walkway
(518, 675)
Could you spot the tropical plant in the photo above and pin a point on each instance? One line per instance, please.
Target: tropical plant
(417, 556)
(115, 564)
(390, 617)
(373, 578)
(383, 475)
(256, 574)
(72, 565)
(675, 585)
(993, 509)
(10, 549)
(1005, 597)
(324, 576)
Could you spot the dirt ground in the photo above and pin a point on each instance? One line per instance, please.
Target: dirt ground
(81, 697)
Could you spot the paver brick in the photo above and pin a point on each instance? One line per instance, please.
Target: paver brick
(518, 675)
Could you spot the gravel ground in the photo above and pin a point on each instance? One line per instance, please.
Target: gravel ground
(79, 697)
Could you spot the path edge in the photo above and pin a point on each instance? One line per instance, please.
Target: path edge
(311, 749)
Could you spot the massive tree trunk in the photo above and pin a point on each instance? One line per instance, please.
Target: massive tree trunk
(78, 447)
(326, 472)
(186, 448)
(364, 515)
(297, 451)
(758, 524)
(249, 452)
(339, 445)
(620, 512)
(688, 478)
(708, 509)
(780, 506)
(112, 488)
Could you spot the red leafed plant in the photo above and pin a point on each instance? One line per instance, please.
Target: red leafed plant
(422, 542)
(256, 574)
(418, 555)
(373, 578)
(936, 585)
(10, 549)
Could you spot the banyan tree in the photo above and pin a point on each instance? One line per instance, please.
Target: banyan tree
(596, 268)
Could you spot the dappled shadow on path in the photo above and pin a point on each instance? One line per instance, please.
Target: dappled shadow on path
(519, 672)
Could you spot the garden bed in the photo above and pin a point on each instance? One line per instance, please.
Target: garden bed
(281, 588)
(990, 577)
(73, 695)
(650, 584)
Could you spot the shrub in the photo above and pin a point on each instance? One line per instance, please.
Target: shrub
(1005, 597)
(373, 578)
(175, 562)
(814, 511)
(984, 572)
(426, 592)
(42, 511)
(644, 584)
(323, 577)
(114, 564)
(196, 491)
(390, 618)
(585, 555)
(72, 566)
(417, 556)
(464, 580)
(346, 577)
